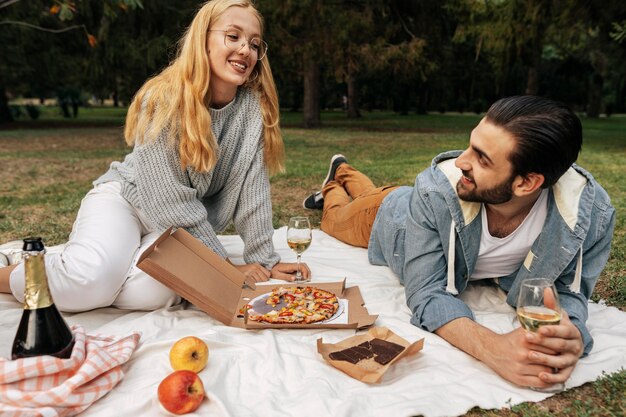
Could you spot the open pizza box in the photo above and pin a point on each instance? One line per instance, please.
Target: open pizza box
(196, 273)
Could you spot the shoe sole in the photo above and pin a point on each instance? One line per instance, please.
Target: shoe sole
(330, 168)
(304, 203)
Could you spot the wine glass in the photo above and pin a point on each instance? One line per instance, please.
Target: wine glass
(299, 239)
(538, 305)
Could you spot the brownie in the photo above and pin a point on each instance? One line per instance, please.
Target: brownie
(385, 351)
(353, 354)
(382, 351)
(342, 355)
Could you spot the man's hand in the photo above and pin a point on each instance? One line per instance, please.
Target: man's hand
(513, 356)
(558, 347)
(509, 356)
(287, 271)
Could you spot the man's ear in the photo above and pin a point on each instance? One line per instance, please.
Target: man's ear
(527, 184)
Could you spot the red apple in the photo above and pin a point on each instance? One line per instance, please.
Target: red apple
(181, 392)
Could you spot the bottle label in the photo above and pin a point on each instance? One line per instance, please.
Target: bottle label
(36, 292)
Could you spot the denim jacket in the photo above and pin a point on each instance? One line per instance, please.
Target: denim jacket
(430, 239)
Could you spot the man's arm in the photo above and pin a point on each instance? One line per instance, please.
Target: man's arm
(426, 260)
(524, 361)
(597, 248)
(521, 357)
(506, 354)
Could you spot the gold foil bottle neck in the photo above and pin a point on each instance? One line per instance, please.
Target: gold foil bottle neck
(36, 292)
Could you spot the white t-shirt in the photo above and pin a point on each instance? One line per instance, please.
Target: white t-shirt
(499, 257)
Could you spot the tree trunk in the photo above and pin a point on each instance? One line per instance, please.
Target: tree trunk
(5, 111)
(540, 11)
(594, 104)
(532, 84)
(116, 91)
(422, 100)
(621, 97)
(296, 100)
(401, 104)
(472, 82)
(311, 92)
(353, 98)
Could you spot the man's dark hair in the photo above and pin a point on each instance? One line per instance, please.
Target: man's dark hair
(548, 134)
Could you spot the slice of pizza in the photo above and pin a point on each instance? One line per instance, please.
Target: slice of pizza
(298, 305)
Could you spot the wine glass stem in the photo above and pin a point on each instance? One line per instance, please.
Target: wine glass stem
(298, 274)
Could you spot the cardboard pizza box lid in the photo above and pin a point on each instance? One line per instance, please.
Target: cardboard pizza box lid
(184, 264)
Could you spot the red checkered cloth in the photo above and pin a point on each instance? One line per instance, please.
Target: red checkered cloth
(45, 386)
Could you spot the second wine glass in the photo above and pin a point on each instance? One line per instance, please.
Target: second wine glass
(299, 237)
(538, 305)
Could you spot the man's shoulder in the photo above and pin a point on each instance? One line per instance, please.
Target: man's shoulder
(438, 185)
(576, 193)
(441, 171)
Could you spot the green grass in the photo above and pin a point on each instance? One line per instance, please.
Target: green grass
(52, 116)
(48, 165)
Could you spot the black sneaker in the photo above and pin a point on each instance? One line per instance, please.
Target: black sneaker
(314, 202)
(335, 161)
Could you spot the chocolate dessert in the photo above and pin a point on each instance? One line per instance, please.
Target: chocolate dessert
(382, 351)
(353, 354)
(385, 351)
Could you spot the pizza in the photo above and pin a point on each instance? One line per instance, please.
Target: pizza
(297, 305)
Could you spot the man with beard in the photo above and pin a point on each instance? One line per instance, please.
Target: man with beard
(513, 205)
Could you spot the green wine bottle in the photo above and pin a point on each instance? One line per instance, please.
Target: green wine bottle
(42, 329)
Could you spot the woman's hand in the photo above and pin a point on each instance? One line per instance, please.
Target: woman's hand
(287, 271)
(256, 272)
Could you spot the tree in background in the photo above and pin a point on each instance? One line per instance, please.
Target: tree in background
(509, 32)
(133, 45)
(618, 34)
(584, 34)
(404, 55)
(356, 25)
(46, 43)
(298, 31)
(353, 40)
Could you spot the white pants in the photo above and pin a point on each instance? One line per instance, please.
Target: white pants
(97, 267)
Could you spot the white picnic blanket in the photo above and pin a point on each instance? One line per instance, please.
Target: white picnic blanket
(280, 373)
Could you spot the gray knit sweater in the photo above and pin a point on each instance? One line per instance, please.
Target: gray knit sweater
(237, 189)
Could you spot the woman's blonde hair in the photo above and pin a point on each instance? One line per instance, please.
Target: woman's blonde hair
(177, 99)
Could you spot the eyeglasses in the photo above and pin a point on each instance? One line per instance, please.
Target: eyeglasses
(234, 40)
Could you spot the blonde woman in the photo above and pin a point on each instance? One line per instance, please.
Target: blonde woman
(205, 134)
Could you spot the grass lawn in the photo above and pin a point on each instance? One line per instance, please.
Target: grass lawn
(48, 165)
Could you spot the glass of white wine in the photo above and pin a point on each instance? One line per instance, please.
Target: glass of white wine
(538, 305)
(299, 237)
